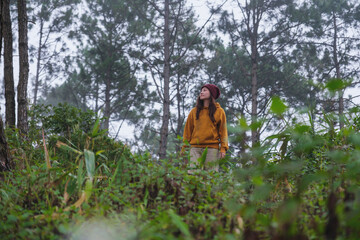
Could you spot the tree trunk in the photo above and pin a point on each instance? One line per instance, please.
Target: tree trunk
(179, 117)
(8, 65)
(23, 68)
(254, 103)
(1, 26)
(338, 74)
(5, 160)
(166, 75)
(107, 104)
(254, 84)
(107, 110)
(97, 97)
(37, 76)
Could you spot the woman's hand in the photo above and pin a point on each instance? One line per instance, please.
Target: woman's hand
(222, 155)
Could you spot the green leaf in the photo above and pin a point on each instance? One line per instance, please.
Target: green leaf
(335, 84)
(277, 106)
(202, 159)
(88, 188)
(96, 128)
(257, 180)
(178, 222)
(301, 129)
(355, 139)
(310, 178)
(80, 174)
(261, 193)
(90, 163)
(255, 125)
(66, 147)
(243, 124)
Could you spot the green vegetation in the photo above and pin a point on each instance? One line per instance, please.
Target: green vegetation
(300, 183)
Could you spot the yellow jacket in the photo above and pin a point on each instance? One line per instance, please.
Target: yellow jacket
(203, 132)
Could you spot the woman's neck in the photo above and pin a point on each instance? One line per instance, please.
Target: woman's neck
(206, 102)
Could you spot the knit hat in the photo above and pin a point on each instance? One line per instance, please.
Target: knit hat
(214, 90)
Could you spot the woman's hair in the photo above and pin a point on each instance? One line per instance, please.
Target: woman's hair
(200, 106)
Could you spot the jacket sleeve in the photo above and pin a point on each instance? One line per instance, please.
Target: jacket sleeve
(223, 133)
(189, 127)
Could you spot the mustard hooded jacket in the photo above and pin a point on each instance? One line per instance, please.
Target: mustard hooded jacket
(203, 132)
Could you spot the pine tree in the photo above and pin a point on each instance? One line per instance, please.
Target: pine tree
(104, 72)
(172, 44)
(263, 32)
(330, 49)
(53, 19)
(8, 64)
(23, 67)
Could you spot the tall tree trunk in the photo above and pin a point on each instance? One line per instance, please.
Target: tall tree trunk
(37, 76)
(254, 82)
(166, 75)
(107, 95)
(97, 97)
(179, 117)
(23, 68)
(254, 101)
(8, 65)
(5, 159)
(338, 74)
(107, 104)
(1, 26)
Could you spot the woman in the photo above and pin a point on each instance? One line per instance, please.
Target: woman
(206, 128)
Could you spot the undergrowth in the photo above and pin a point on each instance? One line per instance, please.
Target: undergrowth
(81, 184)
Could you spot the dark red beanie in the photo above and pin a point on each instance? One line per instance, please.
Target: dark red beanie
(214, 90)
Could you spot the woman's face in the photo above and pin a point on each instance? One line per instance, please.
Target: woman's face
(204, 94)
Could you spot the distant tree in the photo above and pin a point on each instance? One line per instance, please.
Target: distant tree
(53, 19)
(66, 92)
(8, 64)
(171, 55)
(108, 30)
(262, 32)
(23, 67)
(229, 67)
(331, 45)
(164, 130)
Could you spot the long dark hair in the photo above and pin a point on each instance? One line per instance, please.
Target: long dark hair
(200, 106)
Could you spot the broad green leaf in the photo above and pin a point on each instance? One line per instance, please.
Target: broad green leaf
(88, 188)
(256, 125)
(90, 163)
(243, 124)
(335, 84)
(300, 128)
(277, 106)
(257, 180)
